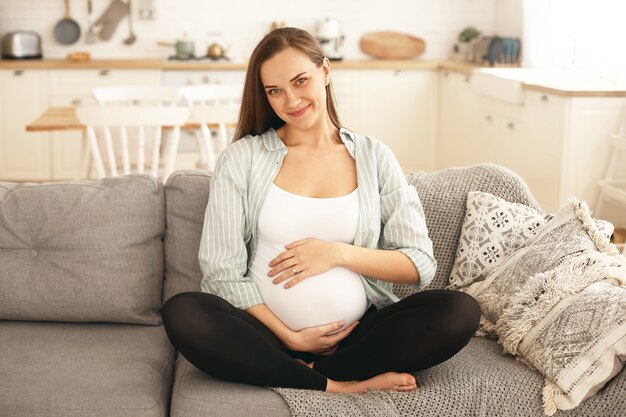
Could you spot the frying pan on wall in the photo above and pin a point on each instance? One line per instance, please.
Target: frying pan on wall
(67, 31)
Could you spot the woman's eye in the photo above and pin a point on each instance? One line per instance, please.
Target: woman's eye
(273, 91)
(300, 81)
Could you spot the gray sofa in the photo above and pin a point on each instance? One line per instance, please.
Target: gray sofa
(86, 265)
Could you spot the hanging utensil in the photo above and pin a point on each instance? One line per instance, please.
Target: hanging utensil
(90, 36)
(131, 35)
(111, 17)
(67, 30)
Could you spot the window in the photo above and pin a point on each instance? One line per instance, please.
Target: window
(576, 34)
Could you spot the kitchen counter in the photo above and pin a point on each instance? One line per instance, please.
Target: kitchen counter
(563, 88)
(159, 63)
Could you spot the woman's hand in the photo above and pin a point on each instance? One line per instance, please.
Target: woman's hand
(303, 259)
(321, 340)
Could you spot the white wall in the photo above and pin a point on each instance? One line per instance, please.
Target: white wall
(243, 22)
(508, 18)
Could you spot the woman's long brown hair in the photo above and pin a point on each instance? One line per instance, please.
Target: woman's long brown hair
(256, 115)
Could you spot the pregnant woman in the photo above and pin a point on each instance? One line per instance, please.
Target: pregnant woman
(307, 227)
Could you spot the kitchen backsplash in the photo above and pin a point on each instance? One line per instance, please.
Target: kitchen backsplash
(239, 24)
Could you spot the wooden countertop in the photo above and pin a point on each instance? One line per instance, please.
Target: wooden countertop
(164, 64)
(563, 89)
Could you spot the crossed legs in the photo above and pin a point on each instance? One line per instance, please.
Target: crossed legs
(415, 333)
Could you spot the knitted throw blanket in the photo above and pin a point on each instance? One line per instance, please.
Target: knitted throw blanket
(372, 403)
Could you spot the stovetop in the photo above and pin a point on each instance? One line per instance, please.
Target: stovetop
(194, 58)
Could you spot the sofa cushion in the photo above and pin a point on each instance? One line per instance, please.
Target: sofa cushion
(197, 394)
(84, 369)
(186, 197)
(560, 242)
(493, 229)
(549, 307)
(82, 251)
(444, 194)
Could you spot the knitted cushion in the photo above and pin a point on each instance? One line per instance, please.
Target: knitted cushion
(444, 194)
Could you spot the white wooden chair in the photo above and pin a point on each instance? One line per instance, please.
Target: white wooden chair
(132, 95)
(146, 121)
(215, 108)
(136, 95)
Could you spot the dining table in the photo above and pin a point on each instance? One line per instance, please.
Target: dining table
(64, 118)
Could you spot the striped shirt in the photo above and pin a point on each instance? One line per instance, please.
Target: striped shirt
(390, 216)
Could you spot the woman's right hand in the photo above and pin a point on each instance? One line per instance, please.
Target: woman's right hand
(321, 340)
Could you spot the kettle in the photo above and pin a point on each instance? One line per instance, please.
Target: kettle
(216, 51)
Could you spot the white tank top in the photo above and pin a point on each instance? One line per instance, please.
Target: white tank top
(337, 294)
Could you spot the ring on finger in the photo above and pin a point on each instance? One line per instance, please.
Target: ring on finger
(294, 270)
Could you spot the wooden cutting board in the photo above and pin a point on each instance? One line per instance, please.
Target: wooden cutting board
(391, 45)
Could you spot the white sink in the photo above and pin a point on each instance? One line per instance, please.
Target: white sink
(500, 83)
(507, 83)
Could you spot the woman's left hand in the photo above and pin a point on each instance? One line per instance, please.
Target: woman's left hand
(303, 259)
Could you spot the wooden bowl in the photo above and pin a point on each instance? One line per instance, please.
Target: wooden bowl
(391, 45)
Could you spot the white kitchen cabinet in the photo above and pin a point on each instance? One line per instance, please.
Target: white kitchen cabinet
(458, 118)
(399, 107)
(545, 135)
(73, 88)
(558, 144)
(23, 155)
(589, 123)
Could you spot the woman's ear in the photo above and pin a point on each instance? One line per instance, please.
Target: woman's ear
(326, 70)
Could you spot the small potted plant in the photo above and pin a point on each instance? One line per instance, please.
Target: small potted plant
(464, 38)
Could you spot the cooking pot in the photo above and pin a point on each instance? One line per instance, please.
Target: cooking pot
(184, 48)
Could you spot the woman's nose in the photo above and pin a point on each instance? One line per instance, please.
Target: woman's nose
(292, 98)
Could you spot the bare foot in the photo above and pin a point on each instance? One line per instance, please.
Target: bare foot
(387, 381)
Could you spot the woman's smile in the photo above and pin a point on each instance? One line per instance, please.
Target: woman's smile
(299, 112)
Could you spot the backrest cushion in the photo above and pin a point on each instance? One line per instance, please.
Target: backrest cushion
(186, 197)
(443, 195)
(82, 251)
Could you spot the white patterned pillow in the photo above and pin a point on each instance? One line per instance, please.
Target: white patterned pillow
(576, 338)
(552, 304)
(493, 229)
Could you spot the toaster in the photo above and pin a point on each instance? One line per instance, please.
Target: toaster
(21, 44)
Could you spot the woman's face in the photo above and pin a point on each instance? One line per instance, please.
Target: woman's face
(296, 88)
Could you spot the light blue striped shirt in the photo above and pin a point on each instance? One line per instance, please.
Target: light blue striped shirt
(390, 215)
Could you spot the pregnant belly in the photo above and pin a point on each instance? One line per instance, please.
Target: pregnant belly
(335, 295)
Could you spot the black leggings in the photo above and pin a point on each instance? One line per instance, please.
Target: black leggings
(415, 333)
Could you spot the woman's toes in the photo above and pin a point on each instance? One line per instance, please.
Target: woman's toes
(409, 380)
